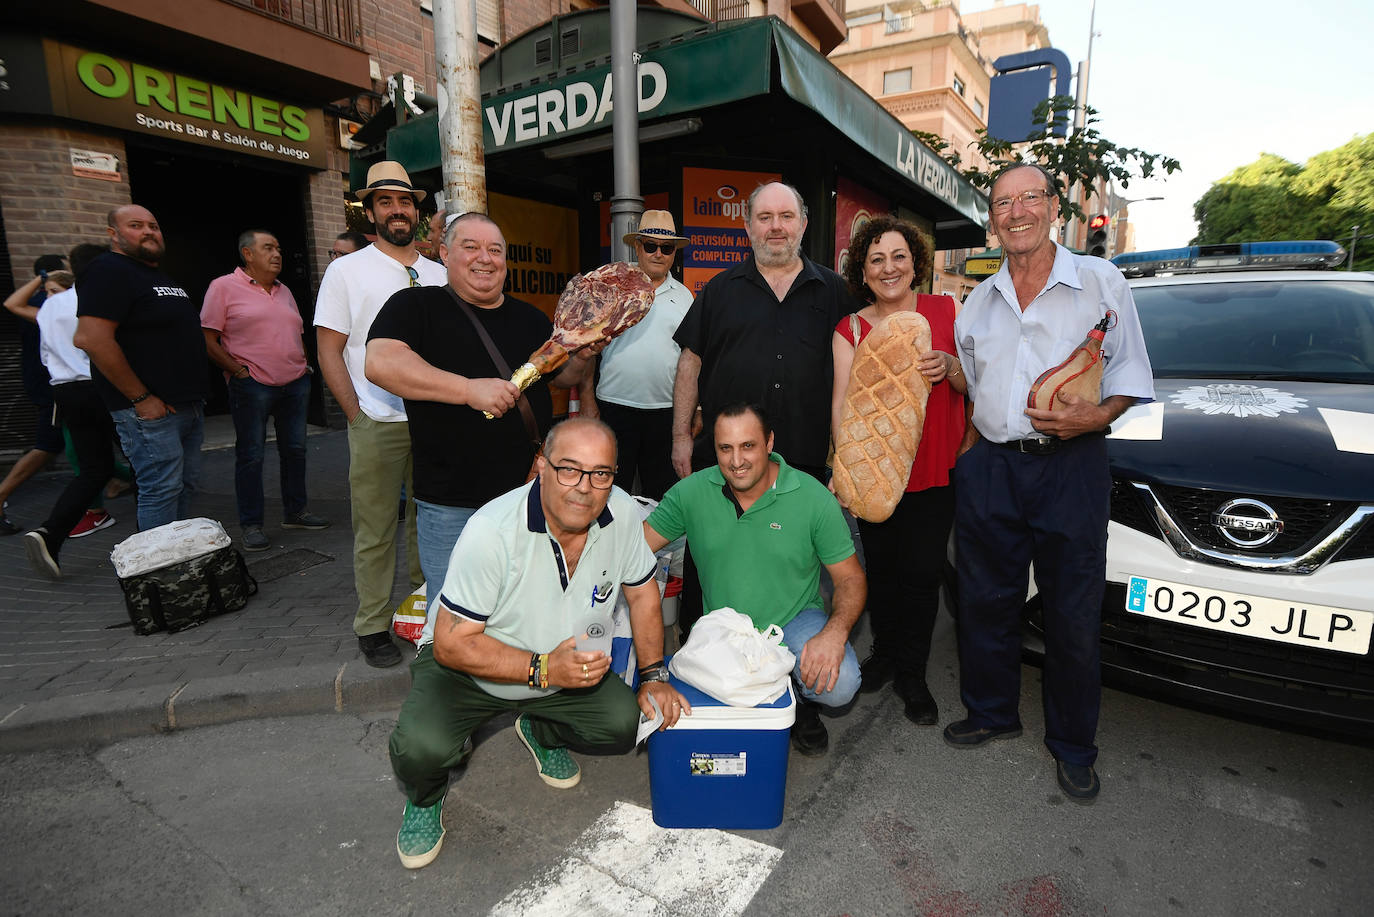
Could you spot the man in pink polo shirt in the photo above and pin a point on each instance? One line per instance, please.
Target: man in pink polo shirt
(253, 332)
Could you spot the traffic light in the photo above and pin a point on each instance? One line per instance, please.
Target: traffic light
(1097, 235)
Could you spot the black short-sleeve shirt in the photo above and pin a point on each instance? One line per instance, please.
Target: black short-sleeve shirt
(460, 457)
(774, 354)
(159, 329)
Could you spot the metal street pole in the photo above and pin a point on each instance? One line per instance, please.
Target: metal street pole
(626, 204)
(1354, 237)
(460, 106)
(1080, 118)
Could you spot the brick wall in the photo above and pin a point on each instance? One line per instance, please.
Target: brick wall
(46, 208)
(519, 16)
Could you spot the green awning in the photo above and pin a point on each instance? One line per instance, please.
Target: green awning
(727, 63)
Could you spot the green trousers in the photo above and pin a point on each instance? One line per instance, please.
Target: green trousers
(446, 706)
(378, 467)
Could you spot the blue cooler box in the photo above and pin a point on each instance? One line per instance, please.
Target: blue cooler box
(723, 766)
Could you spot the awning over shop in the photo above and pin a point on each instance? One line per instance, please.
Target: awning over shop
(705, 67)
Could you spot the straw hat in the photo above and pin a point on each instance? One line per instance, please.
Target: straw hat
(388, 174)
(655, 224)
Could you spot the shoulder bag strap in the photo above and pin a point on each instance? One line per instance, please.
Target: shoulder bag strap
(502, 367)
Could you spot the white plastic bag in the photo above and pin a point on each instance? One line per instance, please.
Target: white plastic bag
(727, 658)
(156, 548)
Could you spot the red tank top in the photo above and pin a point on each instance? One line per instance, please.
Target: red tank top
(944, 426)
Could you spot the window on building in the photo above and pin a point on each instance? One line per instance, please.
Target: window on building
(958, 85)
(897, 81)
(488, 19)
(978, 107)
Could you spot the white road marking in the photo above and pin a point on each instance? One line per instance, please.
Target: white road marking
(624, 863)
(1141, 421)
(1353, 431)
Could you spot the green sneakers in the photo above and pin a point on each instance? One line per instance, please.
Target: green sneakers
(556, 766)
(421, 834)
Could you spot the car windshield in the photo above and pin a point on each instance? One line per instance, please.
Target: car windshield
(1279, 329)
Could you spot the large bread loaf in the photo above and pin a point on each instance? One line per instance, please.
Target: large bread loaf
(884, 412)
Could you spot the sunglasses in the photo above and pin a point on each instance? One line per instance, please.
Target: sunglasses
(414, 276)
(650, 247)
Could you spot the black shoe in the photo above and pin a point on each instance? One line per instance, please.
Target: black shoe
(920, 706)
(1078, 781)
(876, 671)
(809, 736)
(6, 526)
(964, 734)
(378, 650)
(41, 557)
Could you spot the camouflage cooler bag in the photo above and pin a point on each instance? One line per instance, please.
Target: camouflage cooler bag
(177, 575)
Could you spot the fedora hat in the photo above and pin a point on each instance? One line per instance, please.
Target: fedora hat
(655, 224)
(387, 174)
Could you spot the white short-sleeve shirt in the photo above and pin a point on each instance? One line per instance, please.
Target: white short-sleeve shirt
(507, 573)
(353, 291)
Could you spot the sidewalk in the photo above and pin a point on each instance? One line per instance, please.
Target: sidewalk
(72, 671)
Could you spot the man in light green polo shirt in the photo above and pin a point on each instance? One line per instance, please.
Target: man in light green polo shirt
(533, 576)
(760, 531)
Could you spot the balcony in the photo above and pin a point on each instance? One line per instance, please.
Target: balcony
(336, 19)
(308, 51)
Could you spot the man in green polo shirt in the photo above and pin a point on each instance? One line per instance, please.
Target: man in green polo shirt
(533, 577)
(760, 531)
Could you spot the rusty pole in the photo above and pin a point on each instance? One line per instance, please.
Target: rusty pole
(460, 106)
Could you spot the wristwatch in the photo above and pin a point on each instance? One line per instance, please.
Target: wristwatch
(656, 672)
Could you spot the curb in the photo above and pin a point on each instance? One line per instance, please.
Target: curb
(102, 719)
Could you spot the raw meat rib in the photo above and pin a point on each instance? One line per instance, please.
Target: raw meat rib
(596, 306)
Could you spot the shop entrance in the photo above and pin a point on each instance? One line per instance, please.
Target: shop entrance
(203, 201)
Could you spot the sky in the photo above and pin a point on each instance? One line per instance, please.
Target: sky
(1215, 83)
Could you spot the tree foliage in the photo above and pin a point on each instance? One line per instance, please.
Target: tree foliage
(1272, 199)
(1083, 156)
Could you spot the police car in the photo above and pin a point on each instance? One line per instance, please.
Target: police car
(1240, 553)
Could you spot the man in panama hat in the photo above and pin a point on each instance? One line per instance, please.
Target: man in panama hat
(354, 288)
(634, 392)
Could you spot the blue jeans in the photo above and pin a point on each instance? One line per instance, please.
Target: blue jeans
(795, 633)
(438, 530)
(165, 454)
(250, 404)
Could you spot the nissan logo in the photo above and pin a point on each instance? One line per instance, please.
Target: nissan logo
(1247, 523)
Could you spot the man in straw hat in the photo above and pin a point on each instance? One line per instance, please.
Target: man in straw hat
(352, 293)
(634, 391)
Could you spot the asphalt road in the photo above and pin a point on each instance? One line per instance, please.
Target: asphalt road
(1198, 815)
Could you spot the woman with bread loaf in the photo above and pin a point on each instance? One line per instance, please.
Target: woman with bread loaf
(903, 554)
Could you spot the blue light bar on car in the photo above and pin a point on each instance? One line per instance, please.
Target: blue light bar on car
(1232, 256)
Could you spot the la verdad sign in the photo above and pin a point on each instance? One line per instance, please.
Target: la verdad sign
(575, 106)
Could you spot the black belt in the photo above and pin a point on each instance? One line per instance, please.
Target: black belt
(1033, 446)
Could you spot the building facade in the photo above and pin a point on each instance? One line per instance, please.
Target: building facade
(931, 66)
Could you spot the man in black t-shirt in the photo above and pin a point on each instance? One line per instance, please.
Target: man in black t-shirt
(424, 348)
(143, 335)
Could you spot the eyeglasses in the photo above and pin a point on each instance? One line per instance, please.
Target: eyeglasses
(1027, 199)
(650, 247)
(414, 276)
(569, 476)
(333, 254)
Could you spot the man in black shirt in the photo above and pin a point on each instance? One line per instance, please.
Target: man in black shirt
(143, 335)
(760, 333)
(424, 348)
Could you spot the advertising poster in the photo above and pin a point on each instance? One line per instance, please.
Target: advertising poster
(713, 220)
(541, 255)
(651, 202)
(855, 205)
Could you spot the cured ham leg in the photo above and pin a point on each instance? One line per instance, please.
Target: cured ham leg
(596, 306)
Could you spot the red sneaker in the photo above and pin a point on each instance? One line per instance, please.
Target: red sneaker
(93, 521)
